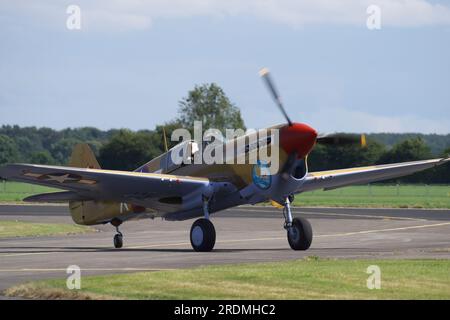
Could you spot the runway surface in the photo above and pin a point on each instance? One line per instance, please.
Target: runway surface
(245, 234)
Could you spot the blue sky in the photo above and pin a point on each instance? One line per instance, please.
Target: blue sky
(132, 61)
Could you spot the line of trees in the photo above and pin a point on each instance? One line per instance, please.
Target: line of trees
(406, 149)
(125, 149)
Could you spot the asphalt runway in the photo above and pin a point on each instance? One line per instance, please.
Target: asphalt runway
(245, 234)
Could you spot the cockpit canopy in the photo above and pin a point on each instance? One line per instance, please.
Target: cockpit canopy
(182, 153)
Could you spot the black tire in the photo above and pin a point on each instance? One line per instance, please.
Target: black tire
(300, 234)
(203, 235)
(118, 241)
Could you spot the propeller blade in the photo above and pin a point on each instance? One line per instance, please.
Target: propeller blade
(264, 73)
(288, 166)
(338, 139)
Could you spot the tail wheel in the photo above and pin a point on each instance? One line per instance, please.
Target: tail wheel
(203, 235)
(300, 234)
(118, 241)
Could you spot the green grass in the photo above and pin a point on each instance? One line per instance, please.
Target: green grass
(301, 279)
(16, 191)
(403, 196)
(9, 229)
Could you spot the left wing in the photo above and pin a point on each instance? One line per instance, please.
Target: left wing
(332, 179)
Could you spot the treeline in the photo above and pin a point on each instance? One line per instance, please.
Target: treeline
(124, 149)
(436, 142)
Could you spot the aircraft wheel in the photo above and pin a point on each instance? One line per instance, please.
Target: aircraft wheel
(203, 235)
(300, 234)
(118, 241)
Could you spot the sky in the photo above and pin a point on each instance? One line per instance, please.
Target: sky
(131, 62)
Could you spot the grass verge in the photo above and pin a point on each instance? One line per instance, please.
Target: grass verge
(9, 229)
(310, 278)
(15, 191)
(388, 196)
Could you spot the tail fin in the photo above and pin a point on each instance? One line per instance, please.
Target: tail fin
(83, 157)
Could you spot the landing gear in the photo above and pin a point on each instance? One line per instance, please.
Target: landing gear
(203, 233)
(118, 237)
(299, 231)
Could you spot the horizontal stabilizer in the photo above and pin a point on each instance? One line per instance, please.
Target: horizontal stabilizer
(56, 197)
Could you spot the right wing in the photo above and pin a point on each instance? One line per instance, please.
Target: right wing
(159, 191)
(332, 179)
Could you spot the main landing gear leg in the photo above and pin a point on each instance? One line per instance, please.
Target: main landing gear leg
(203, 233)
(299, 231)
(118, 237)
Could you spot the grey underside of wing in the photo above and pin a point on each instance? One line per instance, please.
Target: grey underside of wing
(377, 173)
(56, 197)
(140, 189)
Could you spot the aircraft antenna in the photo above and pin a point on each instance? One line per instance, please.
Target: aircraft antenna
(165, 139)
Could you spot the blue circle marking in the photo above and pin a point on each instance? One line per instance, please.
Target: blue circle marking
(261, 175)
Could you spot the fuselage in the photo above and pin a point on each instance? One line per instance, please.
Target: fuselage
(254, 181)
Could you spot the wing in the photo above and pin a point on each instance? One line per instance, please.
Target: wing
(332, 179)
(144, 189)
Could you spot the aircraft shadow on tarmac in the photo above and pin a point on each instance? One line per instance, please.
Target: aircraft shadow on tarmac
(186, 250)
(93, 249)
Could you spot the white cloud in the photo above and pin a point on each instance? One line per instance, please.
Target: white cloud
(344, 120)
(138, 14)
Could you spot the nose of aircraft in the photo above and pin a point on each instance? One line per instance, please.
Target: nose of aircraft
(298, 137)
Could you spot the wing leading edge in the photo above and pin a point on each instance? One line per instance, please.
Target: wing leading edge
(332, 179)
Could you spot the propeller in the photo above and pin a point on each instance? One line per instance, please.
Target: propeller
(334, 139)
(264, 73)
(340, 139)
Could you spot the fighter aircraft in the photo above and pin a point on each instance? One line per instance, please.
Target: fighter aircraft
(162, 188)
